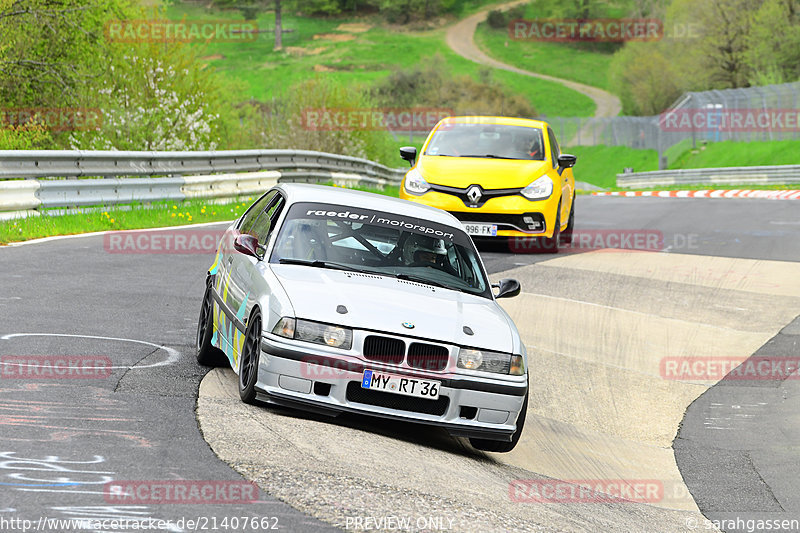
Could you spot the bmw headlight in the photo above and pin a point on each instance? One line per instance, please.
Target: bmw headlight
(316, 332)
(486, 361)
(415, 183)
(539, 189)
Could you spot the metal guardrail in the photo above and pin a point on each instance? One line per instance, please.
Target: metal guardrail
(34, 179)
(763, 175)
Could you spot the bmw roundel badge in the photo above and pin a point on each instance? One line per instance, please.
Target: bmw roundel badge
(408, 325)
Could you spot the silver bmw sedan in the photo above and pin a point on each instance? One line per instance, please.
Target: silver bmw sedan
(333, 300)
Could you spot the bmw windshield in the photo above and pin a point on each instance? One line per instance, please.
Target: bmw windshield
(349, 238)
(487, 140)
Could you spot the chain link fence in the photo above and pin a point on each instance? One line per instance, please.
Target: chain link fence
(765, 113)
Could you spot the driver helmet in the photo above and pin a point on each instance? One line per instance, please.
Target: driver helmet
(421, 248)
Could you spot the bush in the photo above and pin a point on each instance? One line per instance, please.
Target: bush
(31, 136)
(158, 97)
(432, 85)
(285, 124)
(496, 19)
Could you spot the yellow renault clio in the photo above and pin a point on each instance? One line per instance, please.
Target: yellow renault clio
(500, 176)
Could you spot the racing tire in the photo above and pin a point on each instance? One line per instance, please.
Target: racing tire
(500, 446)
(206, 353)
(566, 235)
(550, 245)
(248, 360)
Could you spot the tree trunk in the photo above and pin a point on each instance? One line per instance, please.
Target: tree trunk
(278, 26)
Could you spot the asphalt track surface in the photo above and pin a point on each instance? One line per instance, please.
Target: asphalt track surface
(63, 441)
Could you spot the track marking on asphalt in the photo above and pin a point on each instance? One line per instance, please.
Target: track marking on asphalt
(100, 233)
(174, 355)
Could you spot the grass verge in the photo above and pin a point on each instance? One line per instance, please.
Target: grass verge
(599, 165)
(131, 216)
(570, 62)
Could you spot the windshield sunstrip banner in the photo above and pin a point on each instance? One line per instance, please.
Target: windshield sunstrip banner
(378, 218)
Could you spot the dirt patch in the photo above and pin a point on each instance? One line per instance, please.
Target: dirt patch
(323, 68)
(335, 37)
(300, 51)
(354, 27)
(213, 57)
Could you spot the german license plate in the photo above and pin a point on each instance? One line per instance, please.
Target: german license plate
(407, 386)
(482, 230)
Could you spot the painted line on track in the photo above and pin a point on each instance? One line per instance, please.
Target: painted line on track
(174, 355)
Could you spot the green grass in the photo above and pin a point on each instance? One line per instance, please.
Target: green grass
(567, 61)
(125, 217)
(586, 63)
(599, 165)
(88, 220)
(739, 154)
(366, 58)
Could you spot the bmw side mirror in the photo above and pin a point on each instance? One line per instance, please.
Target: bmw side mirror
(246, 244)
(507, 288)
(567, 160)
(409, 153)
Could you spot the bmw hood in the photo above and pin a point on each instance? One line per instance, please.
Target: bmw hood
(382, 303)
(489, 173)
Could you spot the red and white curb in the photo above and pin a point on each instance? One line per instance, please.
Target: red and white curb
(719, 193)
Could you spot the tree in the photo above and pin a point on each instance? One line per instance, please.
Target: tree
(723, 47)
(278, 26)
(49, 50)
(773, 44)
(644, 78)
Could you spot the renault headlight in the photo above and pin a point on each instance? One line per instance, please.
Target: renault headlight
(316, 332)
(486, 361)
(415, 183)
(539, 189)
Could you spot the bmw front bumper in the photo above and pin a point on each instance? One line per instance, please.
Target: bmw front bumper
(301, 375)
